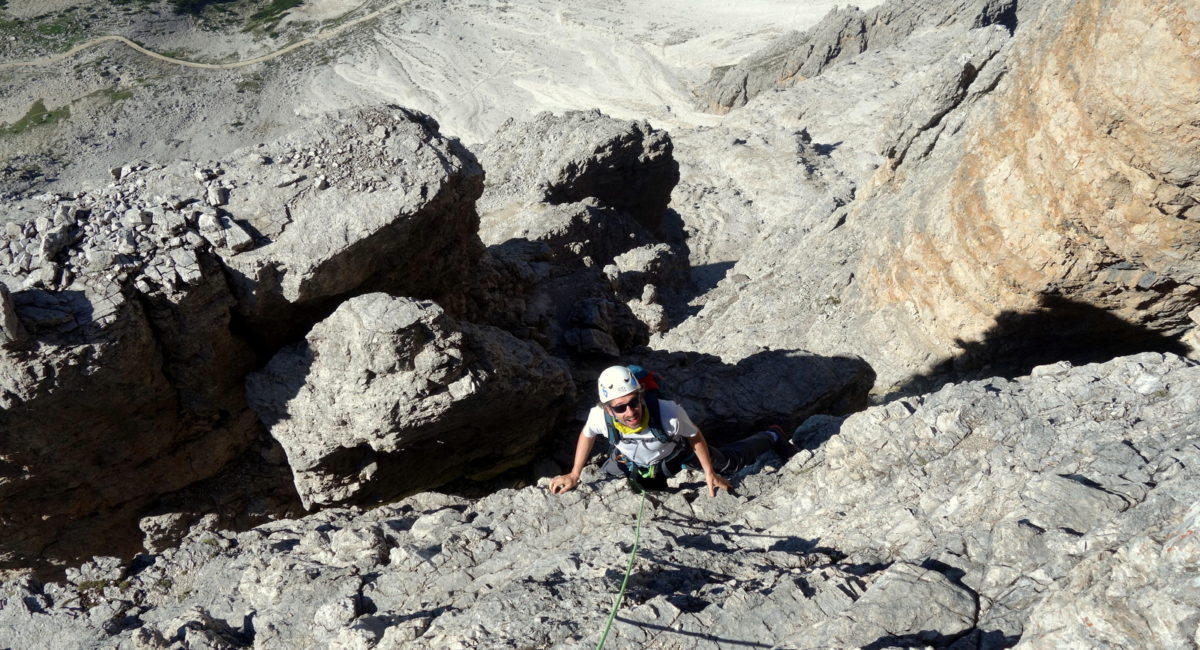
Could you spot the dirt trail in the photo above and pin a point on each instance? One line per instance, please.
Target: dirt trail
(319, 36)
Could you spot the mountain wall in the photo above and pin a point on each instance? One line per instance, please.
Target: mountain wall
(967, 200)
(317, 322)
(1054, 509)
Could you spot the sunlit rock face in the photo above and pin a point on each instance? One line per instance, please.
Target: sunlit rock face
(1072, 206)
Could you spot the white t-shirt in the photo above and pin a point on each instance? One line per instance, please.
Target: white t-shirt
(643, 448)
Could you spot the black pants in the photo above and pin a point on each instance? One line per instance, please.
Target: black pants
(725, 460)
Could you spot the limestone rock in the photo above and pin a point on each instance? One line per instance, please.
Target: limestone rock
(842, 35)
(1017, 489)
(1083, 244)
(1056, 508)
(565, 159)
(573, 231)
(546, 294)
(11, 330)
(404, 208)
(130, 359)
(974, 243)
(659, 265)
(89, 424)
(1139, 593)
(389, 395)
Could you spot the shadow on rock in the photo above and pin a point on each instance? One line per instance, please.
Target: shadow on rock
(701, 280)
(972, 640)
(1060, 329)
(711, 638)
(784, 387)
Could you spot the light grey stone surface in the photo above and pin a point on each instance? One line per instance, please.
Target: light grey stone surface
(844, 34)
(877, 209)
(565, 159)
(965, 518)
(389, 395)
(403, 208)
(127, 388)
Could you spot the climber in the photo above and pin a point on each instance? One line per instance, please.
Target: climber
(648, 436)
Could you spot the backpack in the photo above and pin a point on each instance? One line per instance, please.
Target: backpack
(651, 392)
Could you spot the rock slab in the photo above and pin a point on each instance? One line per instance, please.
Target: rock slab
(388, 395)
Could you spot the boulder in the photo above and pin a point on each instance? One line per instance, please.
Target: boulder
(546, 294)
(403, 207)
(564, 159)
(586, 231)
(95, 426)
(658, 265)
(127, 382)
(391, 395)
(146, 302)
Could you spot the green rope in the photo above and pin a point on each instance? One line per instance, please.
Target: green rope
(637, 539)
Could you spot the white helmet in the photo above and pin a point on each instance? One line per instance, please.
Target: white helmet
(617, 381)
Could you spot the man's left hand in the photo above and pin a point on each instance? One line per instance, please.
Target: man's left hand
(716, 481)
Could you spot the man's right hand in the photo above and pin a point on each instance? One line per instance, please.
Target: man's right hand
(563, 483)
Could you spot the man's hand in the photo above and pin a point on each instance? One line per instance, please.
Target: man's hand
(563, 483)
(715, 481)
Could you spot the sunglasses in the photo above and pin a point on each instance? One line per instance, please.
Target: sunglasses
(620, 408)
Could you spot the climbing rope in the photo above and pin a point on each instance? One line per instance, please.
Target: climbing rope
(637, 539)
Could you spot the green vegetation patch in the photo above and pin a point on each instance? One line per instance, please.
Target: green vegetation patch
(251, 83)
(38, 115)
(58, 27)
(112, 95)
(269, 16)
(52, 32)
(115, 95)
(195, 7)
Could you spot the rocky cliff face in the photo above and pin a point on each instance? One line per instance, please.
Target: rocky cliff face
(1053, 509)
(363, 309)
(1073, 187)
(323, 306)
(981, 199)
(142, 306)
(842, 35)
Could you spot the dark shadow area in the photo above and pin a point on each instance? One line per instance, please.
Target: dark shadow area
(701, 280)
(969, 640)
(774, 387)
(1003, 14)
(672, 228)
(56, 316)
(816, 431)
(711, 638)
(706, 276)
(195, 7)
(1060, 329)
(826, 149)
(922, 639)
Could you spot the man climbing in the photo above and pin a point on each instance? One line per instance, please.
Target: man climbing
(654, 438)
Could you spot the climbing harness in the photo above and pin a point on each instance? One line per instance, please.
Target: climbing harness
(637, 539)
